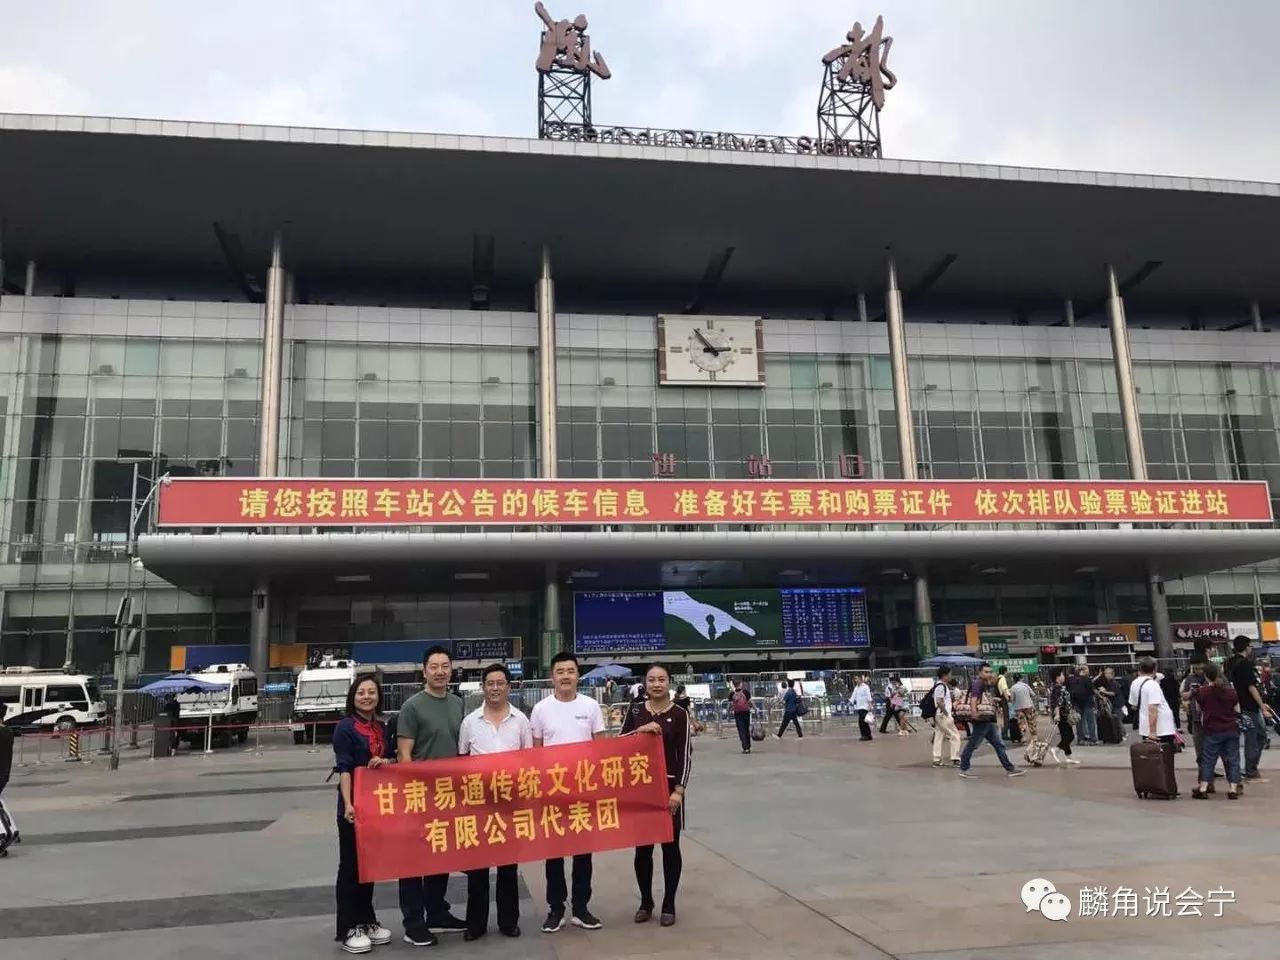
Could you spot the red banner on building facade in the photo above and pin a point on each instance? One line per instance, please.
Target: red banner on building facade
(447, 816)
(248, 502)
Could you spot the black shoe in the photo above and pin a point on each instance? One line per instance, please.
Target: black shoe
(469, 935)
(586, 920)
(419, 936)
(509, 931)
(446, 924)
(555, 921)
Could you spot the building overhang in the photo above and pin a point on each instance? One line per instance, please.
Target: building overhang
(376, 208)
(434, 562)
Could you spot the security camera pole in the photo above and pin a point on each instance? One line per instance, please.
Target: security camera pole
(126, 633)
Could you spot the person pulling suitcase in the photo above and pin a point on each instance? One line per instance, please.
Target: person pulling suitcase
(1151, 758)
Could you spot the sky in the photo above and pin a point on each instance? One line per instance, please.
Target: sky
(1148, 86)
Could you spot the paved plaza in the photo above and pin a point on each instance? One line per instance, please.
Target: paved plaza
(822, 848)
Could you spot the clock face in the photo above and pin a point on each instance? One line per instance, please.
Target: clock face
(711, 350)
(716, 351)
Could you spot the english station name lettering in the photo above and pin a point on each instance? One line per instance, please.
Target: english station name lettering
(742, 143)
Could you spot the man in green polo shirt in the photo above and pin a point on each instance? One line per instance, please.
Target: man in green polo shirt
(427, 729)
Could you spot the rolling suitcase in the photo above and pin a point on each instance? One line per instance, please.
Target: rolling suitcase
(8, 831)
(1015, 730)
(1153, 774)
(1035, 753)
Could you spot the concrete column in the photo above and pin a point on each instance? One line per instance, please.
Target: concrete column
(902, 412)
(1161, 632)
(862, 307)
(260, 631)
(272, 365)
(1069, 312)
(1, 257)
(548, 447)
(1255, 316)
(269, 440)
(29, 288)
(1124, 379)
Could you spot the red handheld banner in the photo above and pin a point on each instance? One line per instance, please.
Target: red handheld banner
(448, 816)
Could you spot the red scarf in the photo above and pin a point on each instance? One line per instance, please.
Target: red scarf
(372, 731)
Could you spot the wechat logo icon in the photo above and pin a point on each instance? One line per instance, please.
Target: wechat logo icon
(1040, 894)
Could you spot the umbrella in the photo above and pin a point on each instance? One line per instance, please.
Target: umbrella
(180, 683)
(953, 660)
(608, 671)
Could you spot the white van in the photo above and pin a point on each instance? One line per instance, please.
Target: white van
(70, 700)
(321, 698)
(233, 709)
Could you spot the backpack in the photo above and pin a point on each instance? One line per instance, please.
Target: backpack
(929, 706)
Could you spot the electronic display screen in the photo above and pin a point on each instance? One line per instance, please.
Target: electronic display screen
(647, 621)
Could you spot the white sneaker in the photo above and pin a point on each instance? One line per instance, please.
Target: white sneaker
(1071, 761)
(377, 934)
(357, 941)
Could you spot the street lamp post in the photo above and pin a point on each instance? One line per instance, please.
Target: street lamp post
(125, 631)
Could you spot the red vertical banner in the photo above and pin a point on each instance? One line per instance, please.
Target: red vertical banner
(448, 816)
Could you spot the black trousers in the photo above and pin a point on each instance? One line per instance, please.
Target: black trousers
(355, 899)
(864, 728)
(557, 892)
(790, 718)
(1065, 735)
(422, 899)
(743, 723)
(889, 714)
(672, 866)
(508, 897)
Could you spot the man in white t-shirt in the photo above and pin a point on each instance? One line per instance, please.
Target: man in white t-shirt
(1155, 718)
(862, 703)
(567, 717)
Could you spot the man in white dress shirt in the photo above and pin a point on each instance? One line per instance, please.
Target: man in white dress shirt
(494, 727)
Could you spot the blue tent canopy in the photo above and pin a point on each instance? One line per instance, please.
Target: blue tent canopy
(953, 660)
(608, 671)
(180, 683)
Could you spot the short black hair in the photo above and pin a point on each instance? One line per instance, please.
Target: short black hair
(355, 685)
(1147, 665)
(1017, 677)
(659, 666)
(495, 668)
(1003, 669)
(983, 664)
(788, 682)
(434, 649)
(1241, 643)
(565, 656)
(944, 672)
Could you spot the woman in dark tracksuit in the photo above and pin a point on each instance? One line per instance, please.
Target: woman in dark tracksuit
(660, 716)
(360, 740)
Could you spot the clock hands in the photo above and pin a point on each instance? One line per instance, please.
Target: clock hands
(707, 348)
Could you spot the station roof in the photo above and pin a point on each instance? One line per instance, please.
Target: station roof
(377, 206)
(387, 561)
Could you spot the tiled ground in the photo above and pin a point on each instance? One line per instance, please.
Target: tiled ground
(826, 848)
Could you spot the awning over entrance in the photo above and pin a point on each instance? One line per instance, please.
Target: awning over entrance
(231, 563)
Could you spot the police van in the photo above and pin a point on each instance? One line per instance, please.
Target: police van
(34, 699)
(320, 700)
(230, 710)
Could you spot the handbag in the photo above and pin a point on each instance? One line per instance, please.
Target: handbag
(802, 708)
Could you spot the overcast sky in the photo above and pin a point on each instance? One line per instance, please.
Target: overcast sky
(1156, 86)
